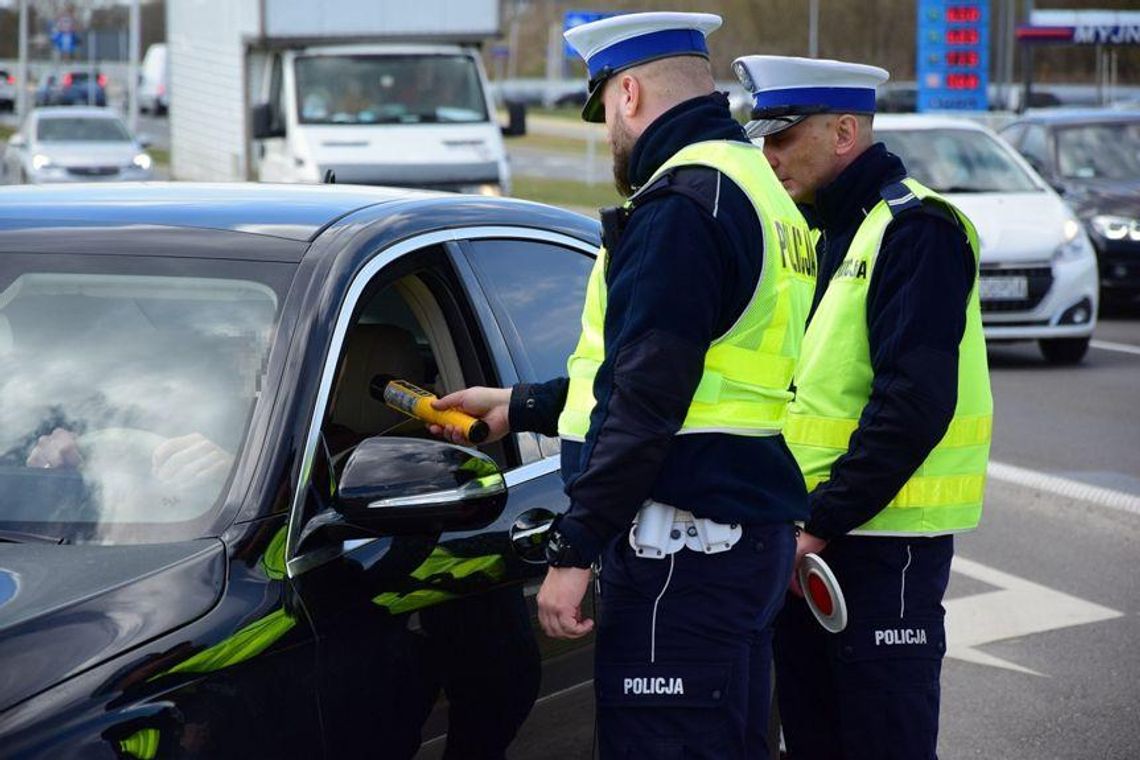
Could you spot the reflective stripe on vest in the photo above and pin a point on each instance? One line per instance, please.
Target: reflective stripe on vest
(744, 389)
(833, 384)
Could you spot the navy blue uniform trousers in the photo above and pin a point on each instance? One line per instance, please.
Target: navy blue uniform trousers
(684, 647)
(872, 690)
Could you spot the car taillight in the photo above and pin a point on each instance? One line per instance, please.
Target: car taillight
(67, 80)
(102, 80)
(11, 79)
(161, 89)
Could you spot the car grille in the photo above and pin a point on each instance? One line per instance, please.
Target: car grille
(1038, 279)
(93, 171)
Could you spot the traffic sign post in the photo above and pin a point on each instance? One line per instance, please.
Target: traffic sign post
(953, 55)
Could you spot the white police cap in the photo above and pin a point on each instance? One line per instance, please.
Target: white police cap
(620, 42)
(786, 89)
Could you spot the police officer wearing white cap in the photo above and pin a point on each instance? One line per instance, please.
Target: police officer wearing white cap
(681, 486)
(892, 417)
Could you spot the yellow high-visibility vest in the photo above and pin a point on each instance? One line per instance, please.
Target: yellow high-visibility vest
(744, 389)
(833, 384)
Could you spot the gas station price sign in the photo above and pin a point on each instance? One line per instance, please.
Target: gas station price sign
(953, 55)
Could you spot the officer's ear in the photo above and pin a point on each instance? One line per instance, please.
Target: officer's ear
(849, 134)
(629, 96)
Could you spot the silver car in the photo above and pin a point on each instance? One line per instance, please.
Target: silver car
(74, 144)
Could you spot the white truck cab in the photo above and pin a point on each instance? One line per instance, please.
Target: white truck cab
(410, 115)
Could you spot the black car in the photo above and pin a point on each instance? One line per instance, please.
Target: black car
(73, 88)
(1093, 159)
(215, 541)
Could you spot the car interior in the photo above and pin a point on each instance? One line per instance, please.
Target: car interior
(399, 332)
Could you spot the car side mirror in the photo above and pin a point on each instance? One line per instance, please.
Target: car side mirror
(263, 123)
(414, 486)
(145, 141)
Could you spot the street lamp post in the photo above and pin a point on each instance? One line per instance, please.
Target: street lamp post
(813, 29)
(133, 70)
(22, 67)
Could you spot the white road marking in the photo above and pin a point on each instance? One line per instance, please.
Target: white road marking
(1070, 489)
(1107, 345)
(1019, 608)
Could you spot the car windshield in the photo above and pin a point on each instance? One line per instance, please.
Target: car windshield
(957, 160)
(1109, 150)
(126, 393)
(392, 89)
(76, 129)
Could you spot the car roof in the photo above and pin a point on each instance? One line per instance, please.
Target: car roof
(298, 212)
(85, 112)
(893, 121)
(1079, 116)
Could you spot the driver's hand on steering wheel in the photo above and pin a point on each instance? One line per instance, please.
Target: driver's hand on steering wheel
(188, 459)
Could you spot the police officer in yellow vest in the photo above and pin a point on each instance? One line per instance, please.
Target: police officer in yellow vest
(891, 419)
(680, 483)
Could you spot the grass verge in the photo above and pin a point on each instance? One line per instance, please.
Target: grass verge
(6, 131)
(555, 143)
(560, 192)
(159, 156)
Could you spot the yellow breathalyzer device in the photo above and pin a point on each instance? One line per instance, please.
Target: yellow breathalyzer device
(416, 402)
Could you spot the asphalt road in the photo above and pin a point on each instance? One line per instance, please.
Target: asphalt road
(1047, 589)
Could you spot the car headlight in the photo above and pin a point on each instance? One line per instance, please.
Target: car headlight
(1076, 243)
(1117, 227)
(141, 161)
(485, 189)
(40, 161)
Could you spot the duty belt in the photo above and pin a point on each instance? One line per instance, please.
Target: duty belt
(660, 530)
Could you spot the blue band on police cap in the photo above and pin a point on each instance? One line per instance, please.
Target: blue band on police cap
(646, 47)
(854, 99)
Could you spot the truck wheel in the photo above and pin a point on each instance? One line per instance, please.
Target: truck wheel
(1064, 351)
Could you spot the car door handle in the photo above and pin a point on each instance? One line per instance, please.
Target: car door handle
(528, 535)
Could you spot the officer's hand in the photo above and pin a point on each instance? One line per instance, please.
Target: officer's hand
(489, 404)
(560, 603)
(806, 543)
(58, 450)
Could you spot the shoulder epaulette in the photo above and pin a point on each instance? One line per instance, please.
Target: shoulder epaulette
(697, 183)
(899, 198)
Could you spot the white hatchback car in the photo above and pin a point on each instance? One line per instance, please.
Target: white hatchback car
(1038, 269)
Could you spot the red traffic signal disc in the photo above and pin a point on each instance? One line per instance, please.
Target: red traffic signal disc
(822, 593)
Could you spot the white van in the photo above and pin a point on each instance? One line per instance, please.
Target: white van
(154, 81)
(392, 114)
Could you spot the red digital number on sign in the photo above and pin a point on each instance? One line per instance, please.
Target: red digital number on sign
(963, 14)
(963, 58)
(962, 37)
(962, 81)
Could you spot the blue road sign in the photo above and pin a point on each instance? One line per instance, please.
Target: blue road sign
(953, 55)
(571, 19)
(65, 42)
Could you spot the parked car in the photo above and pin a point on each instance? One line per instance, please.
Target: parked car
(1038, 270)
(8, 92)
(74, 145)
(1093, 159)
(154, 81)
(238, 550)
(73, 88)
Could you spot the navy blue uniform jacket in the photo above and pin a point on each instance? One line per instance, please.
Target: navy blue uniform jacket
(916, 315)
(686, 267)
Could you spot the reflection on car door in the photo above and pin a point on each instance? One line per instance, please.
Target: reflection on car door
(427, 643)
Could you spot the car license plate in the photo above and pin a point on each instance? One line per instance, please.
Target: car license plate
(1003, 288)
